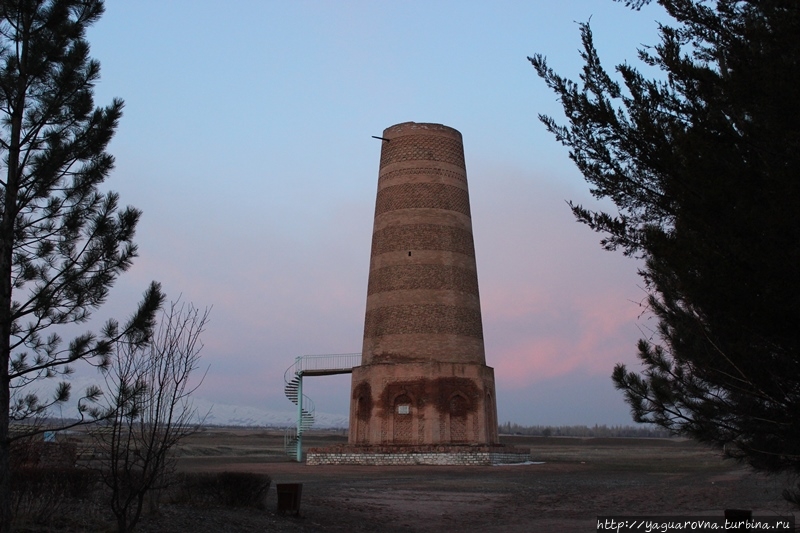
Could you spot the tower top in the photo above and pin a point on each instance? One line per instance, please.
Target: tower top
(405, 128)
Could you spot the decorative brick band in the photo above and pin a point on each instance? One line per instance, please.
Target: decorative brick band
(424, 171)
(423, 148)
(434, 277)
(422, 195)
(423, 237)
(431, 319)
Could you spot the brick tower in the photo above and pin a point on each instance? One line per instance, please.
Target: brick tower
(423, 378)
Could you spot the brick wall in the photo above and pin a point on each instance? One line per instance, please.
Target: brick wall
(421, 318)
(408, 237)
(422, 171)
(393, 458)
(422, 147)
(422, 195)
(421, 276)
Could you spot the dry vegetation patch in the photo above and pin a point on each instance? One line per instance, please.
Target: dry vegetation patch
(578, 480)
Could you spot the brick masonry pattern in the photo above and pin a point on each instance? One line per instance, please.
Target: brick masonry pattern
(423, 318)
(424, 172)
(411, 277)
(423, 237)
(422, 195)
(423, 148)
(407, 459)
(402, 428)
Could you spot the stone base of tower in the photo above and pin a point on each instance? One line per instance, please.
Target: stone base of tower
(418, 403)
(416, 455)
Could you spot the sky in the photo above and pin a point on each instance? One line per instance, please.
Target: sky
(246, 142)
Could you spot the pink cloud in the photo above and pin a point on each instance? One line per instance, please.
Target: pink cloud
(587, 336)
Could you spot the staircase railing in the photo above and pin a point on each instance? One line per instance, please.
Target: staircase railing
(293, 377)
(327, 363)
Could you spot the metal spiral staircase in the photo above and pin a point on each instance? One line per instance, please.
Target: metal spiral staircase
(310, 365)
(305, 418)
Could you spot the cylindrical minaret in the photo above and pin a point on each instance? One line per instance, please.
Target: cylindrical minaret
(423, 378)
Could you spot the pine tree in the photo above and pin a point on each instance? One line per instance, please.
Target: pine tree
(703, 165)
(62, 241)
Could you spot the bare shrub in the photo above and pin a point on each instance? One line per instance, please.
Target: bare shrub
(41, 494)
(149, 411)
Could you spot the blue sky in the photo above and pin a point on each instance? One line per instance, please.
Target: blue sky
(246, 141)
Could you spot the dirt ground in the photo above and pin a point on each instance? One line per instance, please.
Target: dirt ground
(576, 480)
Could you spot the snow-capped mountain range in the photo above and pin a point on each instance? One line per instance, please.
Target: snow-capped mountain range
(219, 414)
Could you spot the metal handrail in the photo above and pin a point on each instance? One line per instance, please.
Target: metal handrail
(336, 361)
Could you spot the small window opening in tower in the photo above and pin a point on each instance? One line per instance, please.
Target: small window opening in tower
(403, 409)
(409, 254)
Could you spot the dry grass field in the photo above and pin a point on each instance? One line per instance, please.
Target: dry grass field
(577, 480)
(573, 481)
